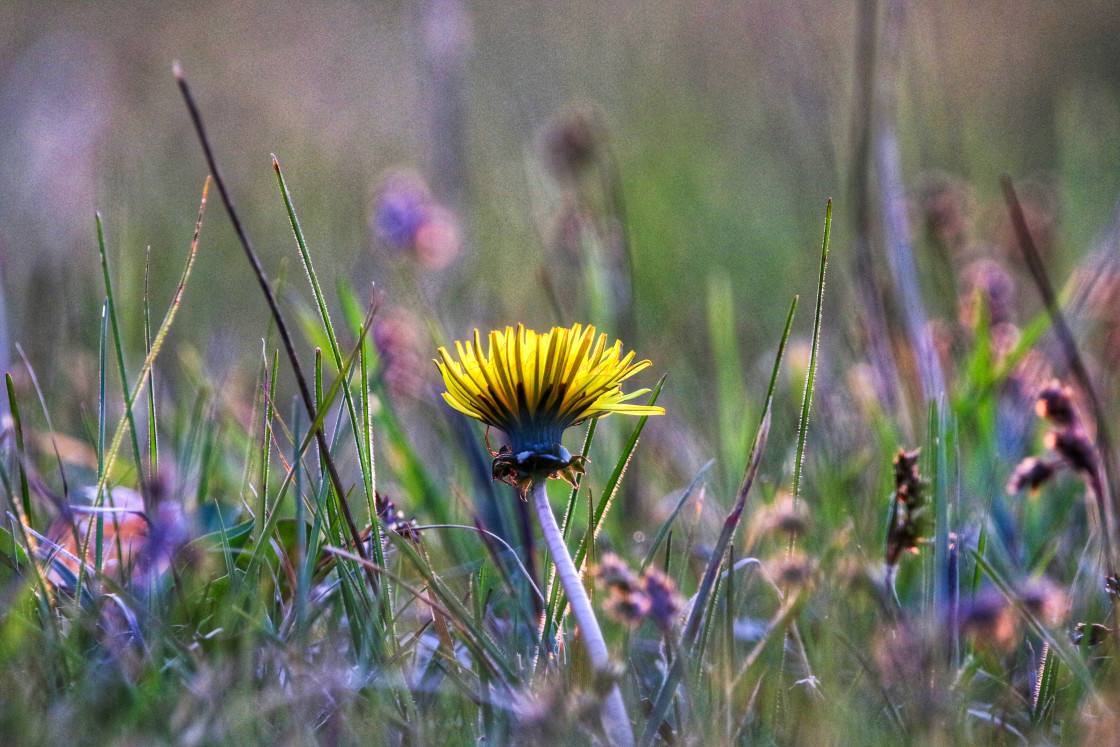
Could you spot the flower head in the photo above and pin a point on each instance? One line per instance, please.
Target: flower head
(533, 386)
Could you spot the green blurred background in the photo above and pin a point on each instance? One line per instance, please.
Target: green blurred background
(729, 124)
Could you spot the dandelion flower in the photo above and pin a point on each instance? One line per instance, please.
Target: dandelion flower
(533, 386)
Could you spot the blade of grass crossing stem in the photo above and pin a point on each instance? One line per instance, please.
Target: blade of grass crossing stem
(611, 488)
(668, 689)
(363, 445)
(810, 377)
(111, 306)
(367, 352)
(157, 344)
(565, 528)
(366, 453)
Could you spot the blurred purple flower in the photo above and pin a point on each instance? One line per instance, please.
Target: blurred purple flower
(409, 220)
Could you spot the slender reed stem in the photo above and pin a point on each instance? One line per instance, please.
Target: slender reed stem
(615, 721)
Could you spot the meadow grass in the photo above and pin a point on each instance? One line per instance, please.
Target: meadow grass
(214, 564)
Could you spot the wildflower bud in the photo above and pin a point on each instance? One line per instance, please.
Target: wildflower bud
(789, 571)
(399, 339)
(665, 602)
(1055, 403)
(985, 281)
(572, 143)
(612, 572)
(946, 207)
(408, 219)
(1074, 447)
(1031, 473)
(785, 516)
(394, 519)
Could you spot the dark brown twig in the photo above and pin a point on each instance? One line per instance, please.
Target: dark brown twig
(1077, 367)
(281, 326)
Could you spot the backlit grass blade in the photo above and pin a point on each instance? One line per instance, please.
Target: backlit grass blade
(119, 350)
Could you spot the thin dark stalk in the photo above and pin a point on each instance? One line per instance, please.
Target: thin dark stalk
(868, 275)
(281, 325)
(1106, 492)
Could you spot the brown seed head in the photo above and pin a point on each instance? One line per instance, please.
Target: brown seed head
(1031, 473)
(1075, 448)
(1055, 403)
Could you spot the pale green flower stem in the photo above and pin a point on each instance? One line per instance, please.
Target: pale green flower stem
(615, 721)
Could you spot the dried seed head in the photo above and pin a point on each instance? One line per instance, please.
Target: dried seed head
(613, 572)
(628, 607)
(1031, 473)
(908, 508)
(633, 598)
(1055, 403)
(784, 516)
(790, 571)
(1075, 448)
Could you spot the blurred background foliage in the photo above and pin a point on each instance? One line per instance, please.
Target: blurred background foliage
(728, 126)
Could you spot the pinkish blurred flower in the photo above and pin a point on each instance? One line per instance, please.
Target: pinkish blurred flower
(409, 220)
